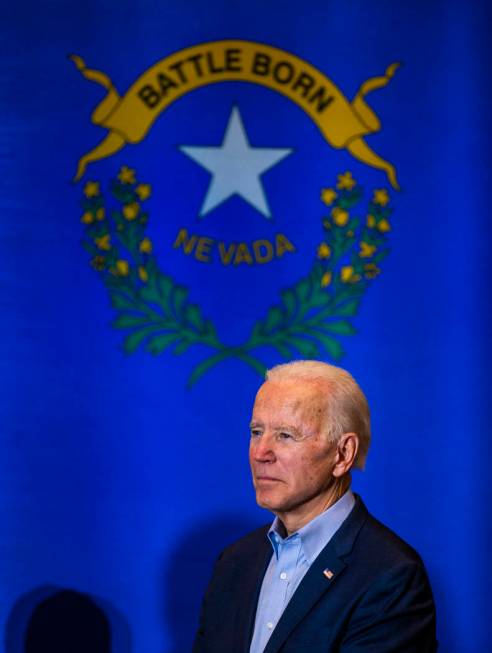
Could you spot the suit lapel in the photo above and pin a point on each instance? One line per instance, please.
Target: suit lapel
(310, 590)
(250, 590)
(315, 583)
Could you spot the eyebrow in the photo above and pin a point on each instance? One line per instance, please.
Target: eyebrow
(290, 429)
(278, 429)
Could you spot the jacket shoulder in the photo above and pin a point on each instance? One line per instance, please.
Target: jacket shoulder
(246, 546)
(365, 537)
(386, 546)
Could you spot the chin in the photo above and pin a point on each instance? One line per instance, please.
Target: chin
(268, 502)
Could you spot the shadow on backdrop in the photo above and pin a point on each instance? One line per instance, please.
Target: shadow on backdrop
(187, 572)
(55, 620)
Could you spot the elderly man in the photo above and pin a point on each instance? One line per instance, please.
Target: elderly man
(325, 576)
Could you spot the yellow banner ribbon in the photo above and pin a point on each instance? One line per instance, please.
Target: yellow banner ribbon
(343, 123)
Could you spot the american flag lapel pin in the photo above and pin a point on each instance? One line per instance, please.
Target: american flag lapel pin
(328, 573)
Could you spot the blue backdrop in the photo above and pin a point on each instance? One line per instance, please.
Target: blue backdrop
(129, 351)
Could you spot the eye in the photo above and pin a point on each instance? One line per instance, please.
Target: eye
(283, 435)
(255, 433)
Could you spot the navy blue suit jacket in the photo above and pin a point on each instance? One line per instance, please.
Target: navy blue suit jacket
(378, 599)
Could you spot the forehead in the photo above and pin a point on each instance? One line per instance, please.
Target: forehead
(290, 400)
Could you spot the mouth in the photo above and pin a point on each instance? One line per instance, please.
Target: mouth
(267, 479)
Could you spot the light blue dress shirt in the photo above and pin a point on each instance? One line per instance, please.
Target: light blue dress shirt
(292, 557)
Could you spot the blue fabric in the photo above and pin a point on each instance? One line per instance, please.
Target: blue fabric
(292, 557)
(112, 466)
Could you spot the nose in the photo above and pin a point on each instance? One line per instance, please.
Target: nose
(262, 449)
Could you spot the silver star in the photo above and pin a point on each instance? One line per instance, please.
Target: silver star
(236, 167)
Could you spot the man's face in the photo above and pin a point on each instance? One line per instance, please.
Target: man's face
(291, 458)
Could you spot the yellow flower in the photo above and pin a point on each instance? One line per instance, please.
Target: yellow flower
(87, 218)
(98, 263)
(371, 221)
(91, 189)
(346, 181)
(340, 216)
(366, 250)
(324, 251)
(384, 226)
(143, 191)
(145, 246)
(371, 270)
(122, 267)
(381, 197)
(326, 279)
(100, 214)
(126, 175)
(130, 211)
(347, 274)
(103, 242)
(328, 196)
(143, 274)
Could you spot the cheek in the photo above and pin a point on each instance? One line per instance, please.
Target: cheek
(313, 467)
(300, 469)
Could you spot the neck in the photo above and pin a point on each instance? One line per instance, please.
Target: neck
(293, 520)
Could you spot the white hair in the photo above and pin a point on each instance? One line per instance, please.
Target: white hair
(347, 410)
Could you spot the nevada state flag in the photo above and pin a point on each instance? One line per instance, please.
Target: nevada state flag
(194, 193)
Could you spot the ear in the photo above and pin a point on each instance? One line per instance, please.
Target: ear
(347, 449)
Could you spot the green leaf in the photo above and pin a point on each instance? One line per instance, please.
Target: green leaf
(205, 365)
(149, 294)
(348, 309)
(332, 346)
(306, 347)
(117, 284)
(132, 342)
(274, 319)
(122, 236)
(209, 328)
(128, 321)
(256, 332)
(122, 193)
(289, 300)
(352, 225)
(341, 327)
(165, 285)
(194, 316)
(122, 302)
(135, 234)
(158, 344)
(349, 200)
(319, 299)
(302, 290)
(380, 256)
(282, 349)
(179, 297)
(181, 347)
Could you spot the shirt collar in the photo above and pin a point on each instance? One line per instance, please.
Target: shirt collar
(316, 534)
